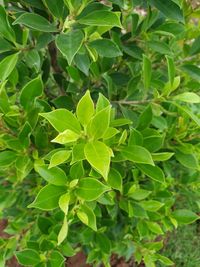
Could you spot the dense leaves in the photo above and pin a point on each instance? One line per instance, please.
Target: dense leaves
(99, 128)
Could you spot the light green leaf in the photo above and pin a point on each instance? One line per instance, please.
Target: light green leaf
(188, 97)
(106, 48)
(138, 193)
(85, 109)
(78, 153)
(99, 123)
(64, 202)
(28, 257)
(90, 189)
(30, 92)
(159, 47)
(62, 119)
(7, 157)
(55, 175)
(153, 172)
(98, 155)
(59, 157)
(102, 102)
(171, 69)
(115, 179)
(102, 18)
(7, 65)
(5, 28)
(155, 228)
(65, 137)
(164, 260)
(161, 156)
(184, 216)
(56, 259)
(69, 43)
(48, 197)
(35, 22)
(151, 205)
(87, 216)
(63, 231)
(137, 154)
(146, 72)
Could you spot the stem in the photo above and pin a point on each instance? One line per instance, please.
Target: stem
(134, 102)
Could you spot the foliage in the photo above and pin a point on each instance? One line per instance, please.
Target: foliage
(99, 129)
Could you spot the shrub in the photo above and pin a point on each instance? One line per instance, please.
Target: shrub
(99, 128)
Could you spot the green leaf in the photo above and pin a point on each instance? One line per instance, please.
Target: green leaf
(99, 123)
(5, 45)
(184, 216)
(192, 70)
(62, 119)
(161, 156)
(87, 216)
(106, 48)
(151, 205)
(155, 228)
(90, 189)
(7, 65)
(188, 97)
(78, 153)
(85, 109)
(145, 118)
(188, 112)
(48, 197)
(77, 171)
(164, 260)
(98, 155)
(59, 157)
(153, 172)
(137, 154)
(135, 138)
(138, 193)
(69, 43)
(102, 18)
(187, 160)
(55, 7)
(30, 92)
(56, 259)
(159, 47)
(55, 175)
(65, 137)
(28, 257)
(169, 9)
(7, 158)
(63, 231)
(102, 102)
(146, 72)
(35, 22)
(5, 28)
(195, 48)
(115, 179)
(64, 202)
(171, 69)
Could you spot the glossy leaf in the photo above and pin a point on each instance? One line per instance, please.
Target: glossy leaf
(69, 43)
(101, 18)
(55, 175)
(153, 172)
(98, 155)
(87, 216)
(85, 109)
(62, 119)
(137, 154)
(90, 189)
(106, 48)
(48, 197)
(28, 257)
(35, 22)
(30, 92)
(7, 65)
(65, 137)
